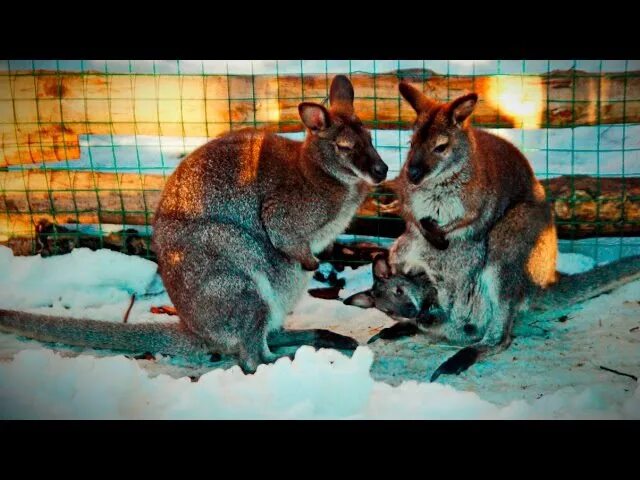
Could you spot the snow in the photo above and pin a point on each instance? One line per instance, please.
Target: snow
(320, 384)
(572, 263)
(550, 371)
(81, 284)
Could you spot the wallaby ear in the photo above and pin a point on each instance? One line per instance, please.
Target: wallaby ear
(381, 267)
(360, 299)
(418, 100)
(462, 107)
(314, 116)
(341, 95)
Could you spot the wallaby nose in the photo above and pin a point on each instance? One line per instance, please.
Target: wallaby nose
(415, 173)
(380, 170)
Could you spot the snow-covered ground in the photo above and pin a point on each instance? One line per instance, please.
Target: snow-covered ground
(552, 370)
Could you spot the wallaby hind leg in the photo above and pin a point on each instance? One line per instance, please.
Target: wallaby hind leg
(231, 316)
(496, 339)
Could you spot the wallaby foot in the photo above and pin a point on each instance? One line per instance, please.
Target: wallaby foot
(317, 338)
(457, 363)
(399, 330)
(272, 357)
(215, 357)
(254, 354)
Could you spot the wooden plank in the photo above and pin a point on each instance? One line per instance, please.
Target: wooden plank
(55, 107)
(584, 206)
(75, 197)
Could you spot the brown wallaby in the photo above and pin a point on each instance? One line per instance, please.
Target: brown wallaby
(239, 222)
(411, 299)
(490, 230)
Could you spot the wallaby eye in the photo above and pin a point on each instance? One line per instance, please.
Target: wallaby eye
(399, 291)
(441, 148)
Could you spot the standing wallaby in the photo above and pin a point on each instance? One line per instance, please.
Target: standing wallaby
(239, 222)
(490, 232)
(411, 299)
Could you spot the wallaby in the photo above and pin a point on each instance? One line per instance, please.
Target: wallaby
(411, 299)
(490, 232)
(236, 233)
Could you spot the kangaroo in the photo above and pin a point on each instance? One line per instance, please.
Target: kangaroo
(236, 232)
(411, 299)
(489, 230)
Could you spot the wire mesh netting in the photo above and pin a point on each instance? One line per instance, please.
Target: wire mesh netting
(87, 145)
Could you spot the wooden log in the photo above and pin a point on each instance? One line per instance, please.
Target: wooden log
(589, 207)
(66, 196)
(584, 206)
(43, 112)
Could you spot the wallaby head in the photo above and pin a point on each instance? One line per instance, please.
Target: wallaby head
(337, 139)
(400, 296)
(440, 143)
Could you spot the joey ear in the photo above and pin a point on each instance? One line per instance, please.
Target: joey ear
(314, 116)
(418, 275)
(381, 267)
(360, 299)
(462, 107)
(341, 95)
(418, 100)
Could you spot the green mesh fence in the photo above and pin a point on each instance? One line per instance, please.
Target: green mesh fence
(86, 145)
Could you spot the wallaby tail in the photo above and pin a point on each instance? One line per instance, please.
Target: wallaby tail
(164, 338)
(465, 357)
(572, 289)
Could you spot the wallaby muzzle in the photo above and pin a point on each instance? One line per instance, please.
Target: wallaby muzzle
(417, 167)
(378, 169)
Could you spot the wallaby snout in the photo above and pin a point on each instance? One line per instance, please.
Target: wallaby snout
(417, 169)
(379, 169)
(415, 174)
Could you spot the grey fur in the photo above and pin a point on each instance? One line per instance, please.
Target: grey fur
(558, 299)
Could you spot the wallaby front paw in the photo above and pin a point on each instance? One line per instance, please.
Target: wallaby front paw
(434, 234)
(310, 264)
(430, 315)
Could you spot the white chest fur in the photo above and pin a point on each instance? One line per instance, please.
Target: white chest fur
(330, 230)
(441, 202)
